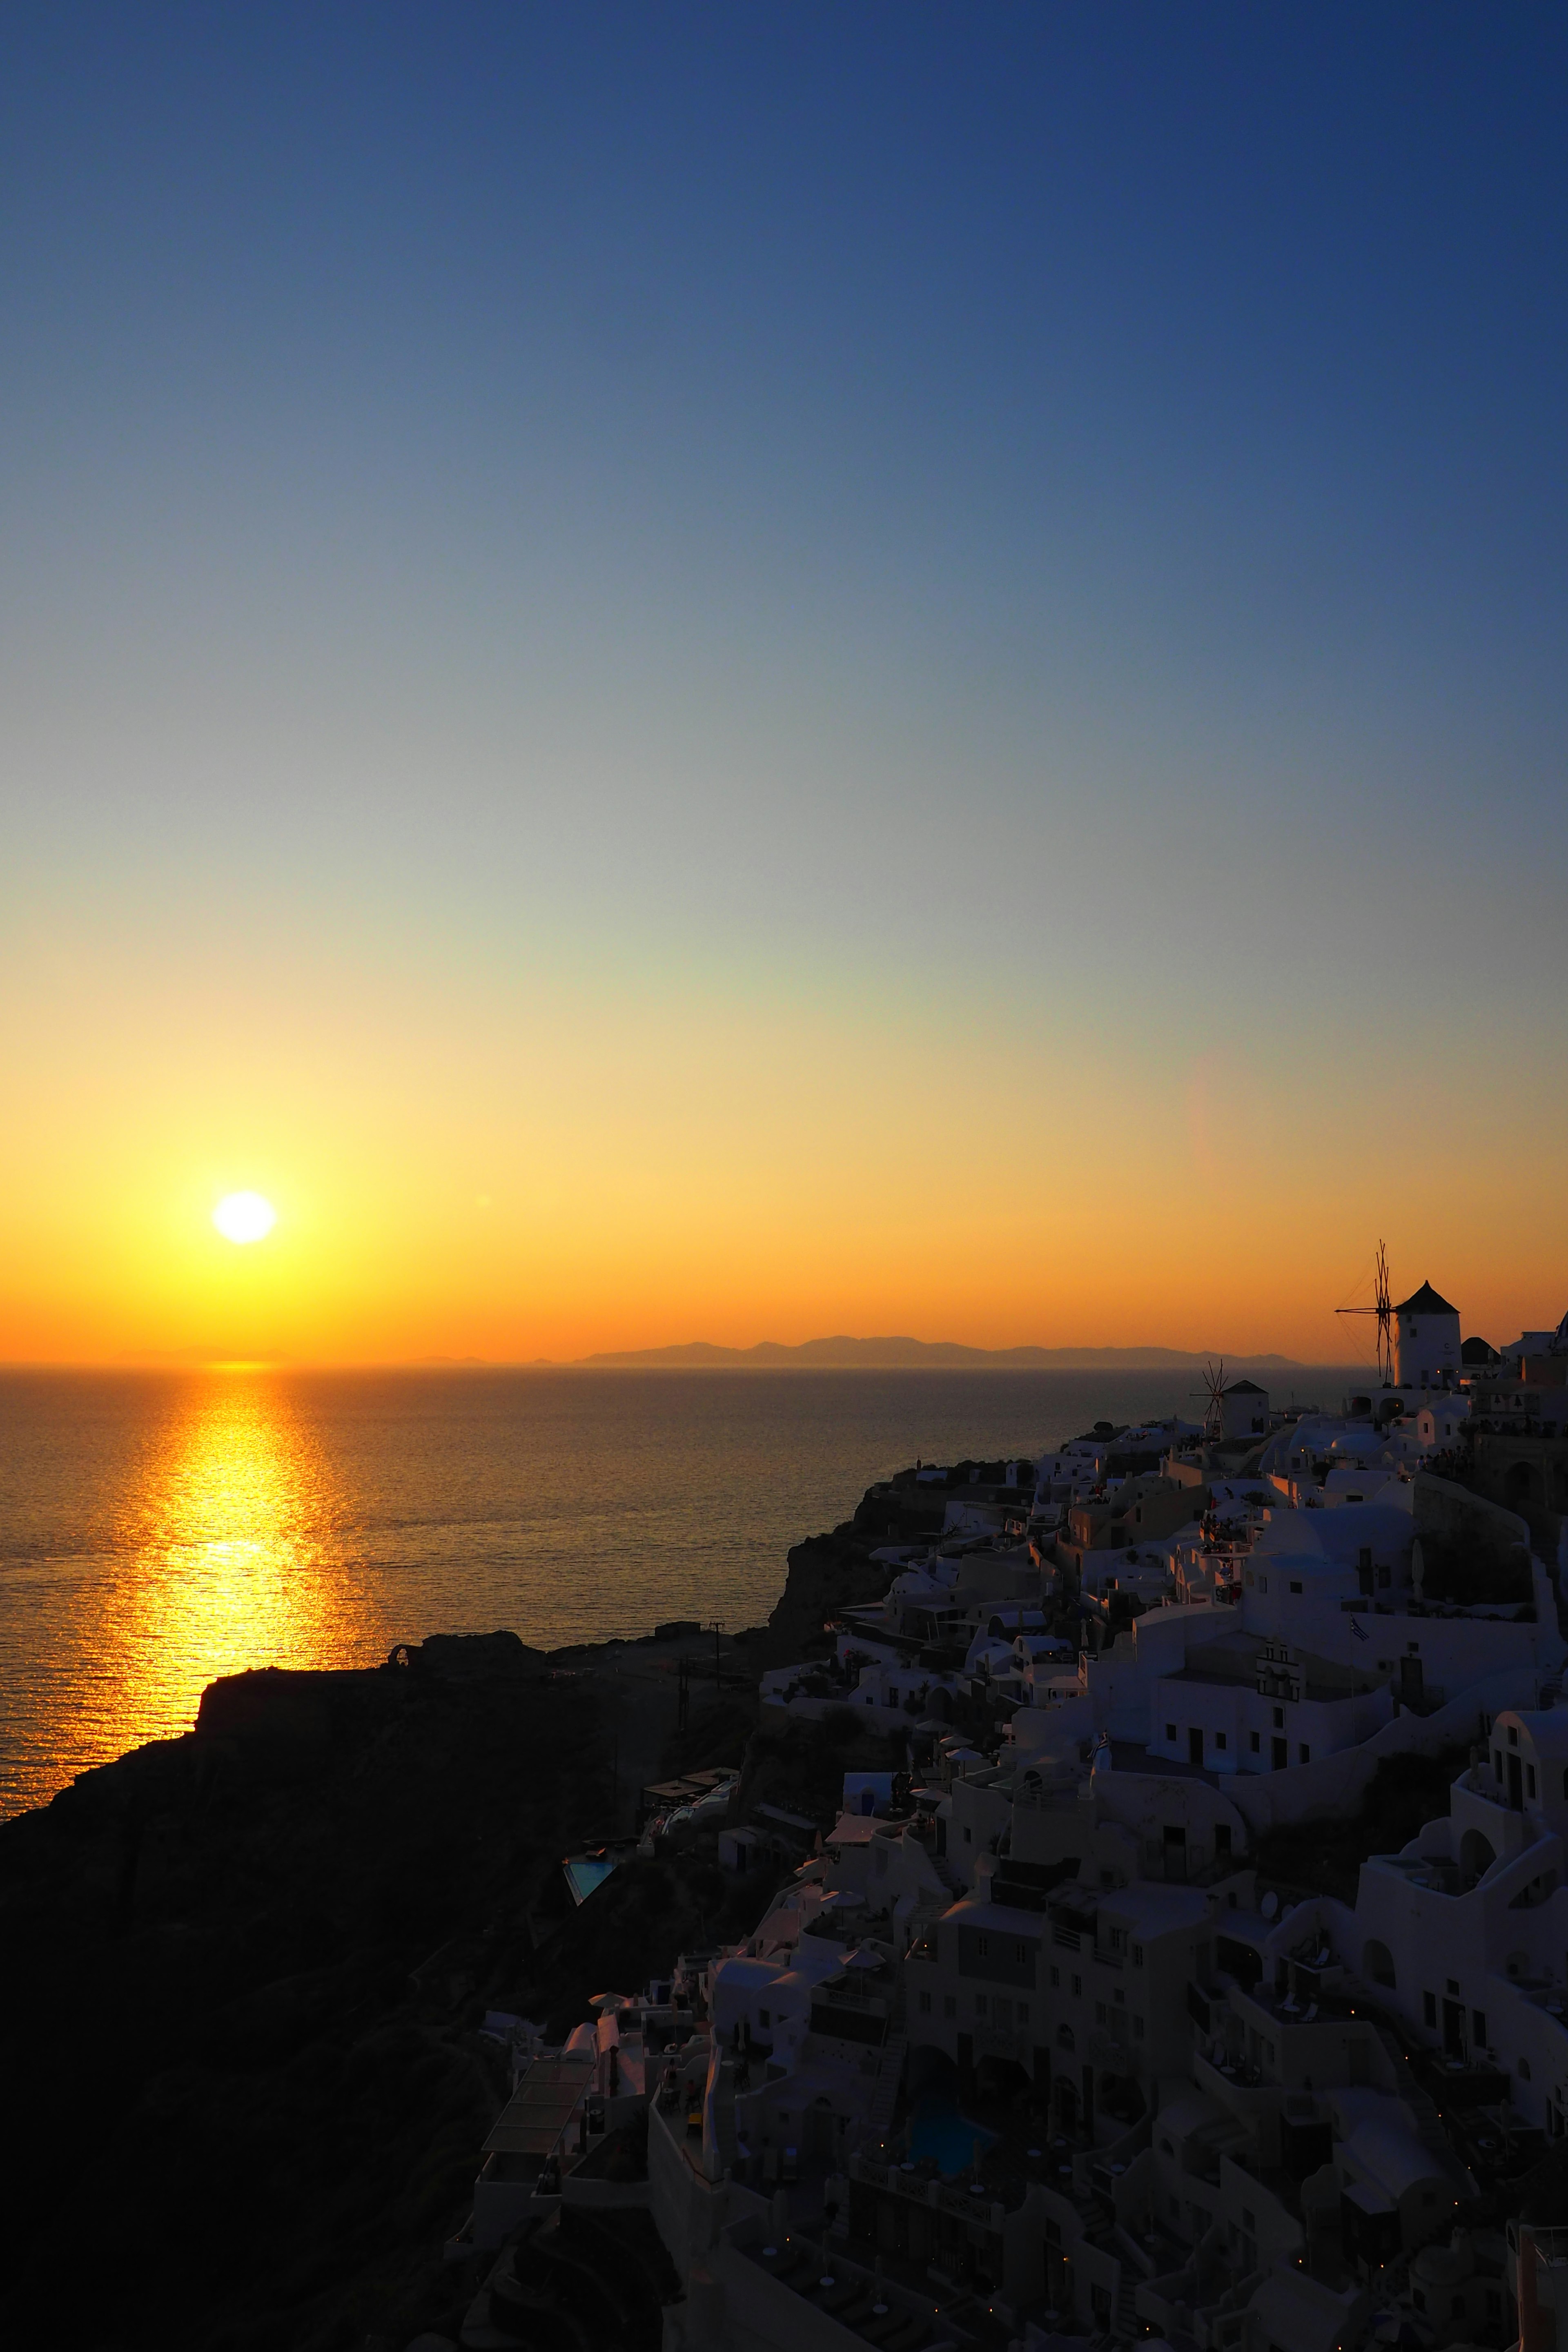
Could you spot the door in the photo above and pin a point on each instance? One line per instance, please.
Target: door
(1279, 1753)
(1515, 1785)
(1453, 2029)
(1412, 1681)
(1196, 1747)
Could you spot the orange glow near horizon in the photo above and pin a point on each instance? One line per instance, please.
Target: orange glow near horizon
(459, 1171)
(594, 1261)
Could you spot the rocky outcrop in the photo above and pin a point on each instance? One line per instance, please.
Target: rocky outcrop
(240, 1974)
(830, 1573)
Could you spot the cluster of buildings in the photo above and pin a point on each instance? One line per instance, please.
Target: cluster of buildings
(1037, 2044)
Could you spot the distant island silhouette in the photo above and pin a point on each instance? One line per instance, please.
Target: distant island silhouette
(938, 1355)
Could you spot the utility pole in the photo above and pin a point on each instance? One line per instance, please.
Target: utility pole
(718, 1676)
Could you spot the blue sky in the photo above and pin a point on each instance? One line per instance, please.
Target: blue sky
(981, 526)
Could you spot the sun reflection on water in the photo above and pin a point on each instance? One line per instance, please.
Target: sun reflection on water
(231, 1563)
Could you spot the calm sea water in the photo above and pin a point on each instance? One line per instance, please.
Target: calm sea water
(156, 1531)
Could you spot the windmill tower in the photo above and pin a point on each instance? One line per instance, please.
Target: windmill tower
(1384, 1311)
(1212, 1390)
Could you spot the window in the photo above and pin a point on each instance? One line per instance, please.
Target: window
(1001, 2010)
(1429, 2009)
(981, 2006)
(1513, 1730)
(1137, 2029)
(1021, 2011)
(969, 1837)
(1278, 1725)
(1530, 1779)
(1222, 1837)
(1219, 1739)
(1055, 1978)
(983, 1947)
(1137, 1956)
(1418, 2297)
(1171, 1733)
(925, 2004)
(1295, 1584)
(949, 2004)
(1077, 1987)
(1064, 2037)
(1021, 1952)
(1304, 1750)
(1479, 2025)
(1257, 1742)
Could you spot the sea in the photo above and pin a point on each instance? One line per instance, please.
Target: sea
(158, 1530)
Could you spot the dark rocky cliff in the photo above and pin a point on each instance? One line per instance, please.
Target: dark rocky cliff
(240, 1974)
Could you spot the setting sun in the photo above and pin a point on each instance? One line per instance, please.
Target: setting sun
(245, 1217)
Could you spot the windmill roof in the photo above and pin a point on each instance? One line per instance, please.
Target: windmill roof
(1244, 1388)
(1425, 1301)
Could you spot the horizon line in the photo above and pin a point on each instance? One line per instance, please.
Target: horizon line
(808, 1355)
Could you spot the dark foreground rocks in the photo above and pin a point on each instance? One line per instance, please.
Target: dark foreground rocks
(241, 1974)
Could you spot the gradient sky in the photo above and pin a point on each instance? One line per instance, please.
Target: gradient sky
(741, 672)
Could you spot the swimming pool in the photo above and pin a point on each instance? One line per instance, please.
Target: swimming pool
(937, 2129)
(585, 1873)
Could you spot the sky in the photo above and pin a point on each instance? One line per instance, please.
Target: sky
(738, 672)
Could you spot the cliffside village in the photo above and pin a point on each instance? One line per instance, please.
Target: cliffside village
(1034, 2043)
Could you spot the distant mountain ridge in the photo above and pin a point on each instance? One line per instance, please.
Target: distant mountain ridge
(844, 1353)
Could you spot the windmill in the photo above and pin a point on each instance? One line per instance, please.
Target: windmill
(1213, 1390)
(1385, 1314)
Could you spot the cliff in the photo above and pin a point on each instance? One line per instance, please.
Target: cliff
(241, 1975)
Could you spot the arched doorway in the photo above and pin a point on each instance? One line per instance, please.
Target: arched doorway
(1476, 1855)
(1377, 1964)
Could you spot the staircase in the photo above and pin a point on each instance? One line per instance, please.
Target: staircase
(1125, 2324)
(944, 1870)
(1429, 2129)
(889, 2075)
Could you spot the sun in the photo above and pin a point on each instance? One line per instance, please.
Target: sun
(245, 1217)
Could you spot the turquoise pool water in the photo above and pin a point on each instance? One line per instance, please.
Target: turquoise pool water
(937, 2130)
(584, 1874)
